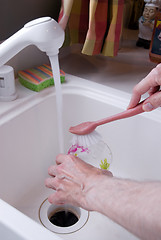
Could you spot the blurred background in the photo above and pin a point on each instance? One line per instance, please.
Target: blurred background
(14, 14)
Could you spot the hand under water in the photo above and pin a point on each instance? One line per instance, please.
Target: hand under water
(75, 182)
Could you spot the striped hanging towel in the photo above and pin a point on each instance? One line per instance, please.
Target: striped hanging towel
(65, 10)
(111, 45)
(97, 27)
(97, 24)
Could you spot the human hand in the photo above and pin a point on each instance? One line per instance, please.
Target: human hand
(151, 85)
(75, 182)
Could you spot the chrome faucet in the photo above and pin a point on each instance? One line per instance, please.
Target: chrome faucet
(45, 33)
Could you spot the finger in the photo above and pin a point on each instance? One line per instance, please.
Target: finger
(135, 99)
(153, 102)
(52, 171)
(55, 170)
(153, 90)
(151, 81)
(141, 88)
(60, 158)
(53, 183)
(106, 172)
(58, 198)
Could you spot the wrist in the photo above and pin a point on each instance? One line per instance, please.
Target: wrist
(95, 191)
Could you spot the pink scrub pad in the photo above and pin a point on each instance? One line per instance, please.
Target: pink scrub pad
(38, 78)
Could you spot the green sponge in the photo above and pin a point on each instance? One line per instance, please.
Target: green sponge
(38, 78)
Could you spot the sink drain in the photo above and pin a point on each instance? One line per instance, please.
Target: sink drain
(62, 218)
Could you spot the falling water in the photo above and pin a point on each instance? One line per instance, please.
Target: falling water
(59, 100)
(59, 105)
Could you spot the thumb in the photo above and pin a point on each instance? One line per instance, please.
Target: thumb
(153, 102)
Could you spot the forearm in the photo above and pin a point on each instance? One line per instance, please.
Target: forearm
(134, 205)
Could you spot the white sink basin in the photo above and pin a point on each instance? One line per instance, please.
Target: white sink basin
(28, 140)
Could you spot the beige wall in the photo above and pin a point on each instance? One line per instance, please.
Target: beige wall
(15, 13)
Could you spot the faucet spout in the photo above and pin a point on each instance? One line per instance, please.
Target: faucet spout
(45, 33)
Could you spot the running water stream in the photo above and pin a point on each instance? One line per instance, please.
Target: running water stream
(59, 100)
(59, 105)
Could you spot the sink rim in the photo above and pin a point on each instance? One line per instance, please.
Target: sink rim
(73, 85)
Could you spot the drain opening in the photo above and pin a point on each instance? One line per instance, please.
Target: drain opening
(63, 218)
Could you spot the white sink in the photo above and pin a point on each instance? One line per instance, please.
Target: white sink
(29, 144)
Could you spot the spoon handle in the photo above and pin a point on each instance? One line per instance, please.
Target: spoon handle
(125, 114)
